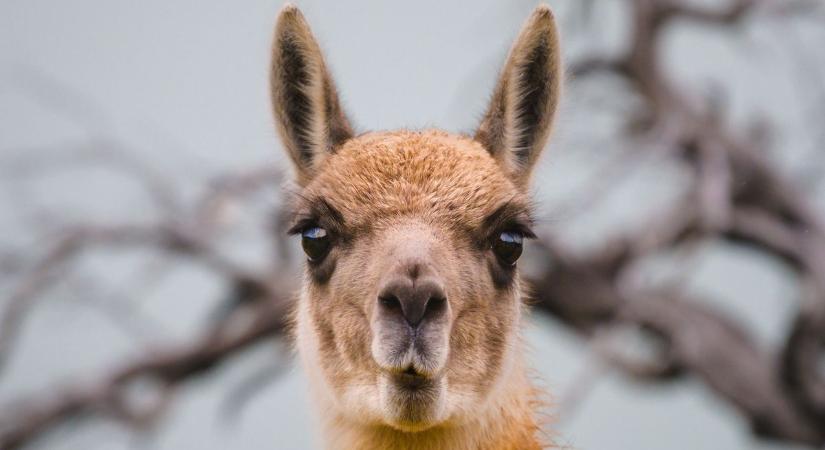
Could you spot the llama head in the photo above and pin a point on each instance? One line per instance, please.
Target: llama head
(411, 302)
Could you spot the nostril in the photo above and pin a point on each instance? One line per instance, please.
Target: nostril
(390, 302)
(435, 306)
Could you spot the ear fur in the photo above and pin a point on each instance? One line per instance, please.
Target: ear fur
(519, 118)
(307, 110)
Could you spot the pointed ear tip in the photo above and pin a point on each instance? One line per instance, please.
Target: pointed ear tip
(289, 8)
(543, 16)
(290, 15)
(543, 10)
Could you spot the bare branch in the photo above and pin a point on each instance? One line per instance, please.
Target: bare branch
(160, 370)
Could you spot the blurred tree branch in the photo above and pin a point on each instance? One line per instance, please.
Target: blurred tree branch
(738, 196)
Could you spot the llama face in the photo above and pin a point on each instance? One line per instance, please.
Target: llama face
(411, 303)
(413, 293)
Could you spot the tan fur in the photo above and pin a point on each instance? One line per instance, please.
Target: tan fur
(427, 197)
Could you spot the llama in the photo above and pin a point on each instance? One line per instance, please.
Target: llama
(408, 321)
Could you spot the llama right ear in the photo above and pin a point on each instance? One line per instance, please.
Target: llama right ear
(518, 121)
(308, 114)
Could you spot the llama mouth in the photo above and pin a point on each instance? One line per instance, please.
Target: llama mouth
(413, 400)
(411, 379)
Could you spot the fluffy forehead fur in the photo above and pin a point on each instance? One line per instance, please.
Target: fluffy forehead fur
(440, 178)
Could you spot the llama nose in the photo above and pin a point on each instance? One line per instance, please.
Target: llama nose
(417, 300)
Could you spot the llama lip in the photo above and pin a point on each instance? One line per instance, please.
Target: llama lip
(411, 379)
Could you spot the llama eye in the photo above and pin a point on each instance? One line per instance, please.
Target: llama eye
(507, 246)
(315, 241)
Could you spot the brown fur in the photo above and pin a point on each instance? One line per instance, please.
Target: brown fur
(415, 200)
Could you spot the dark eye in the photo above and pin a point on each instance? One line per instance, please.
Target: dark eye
(507, 246)
(315, 241)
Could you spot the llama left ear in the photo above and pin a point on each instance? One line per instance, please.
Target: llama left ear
(520, 116)
(308, 114)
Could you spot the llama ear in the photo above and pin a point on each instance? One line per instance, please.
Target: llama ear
(308, 114)
(518, 120)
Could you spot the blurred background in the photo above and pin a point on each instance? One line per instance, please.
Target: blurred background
(679, 278)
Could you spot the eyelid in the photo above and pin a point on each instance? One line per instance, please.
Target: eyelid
(314, 232)
(302, 224)
(514, 226)
(512, 215)
(306, 222)
(318, 213)
(522, 228)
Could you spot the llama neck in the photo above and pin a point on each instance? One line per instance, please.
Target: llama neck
(507, 423)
